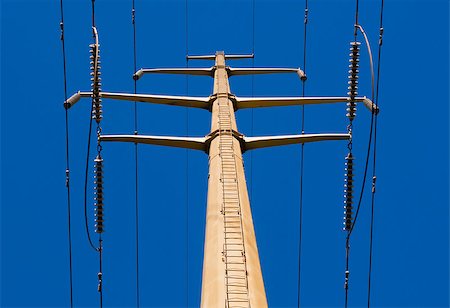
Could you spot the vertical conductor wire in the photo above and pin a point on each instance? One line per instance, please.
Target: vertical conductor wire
(186, 26)
(253, 94)
(69, 227)
(380, 44)
(136, 173)
(302, 157)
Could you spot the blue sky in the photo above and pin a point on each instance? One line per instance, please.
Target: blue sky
(411, 255)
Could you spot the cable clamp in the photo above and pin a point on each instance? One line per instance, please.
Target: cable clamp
(100, 282)
(380, 41)
(67, 177)
(347, 273)
(374, 180)
(61, 25)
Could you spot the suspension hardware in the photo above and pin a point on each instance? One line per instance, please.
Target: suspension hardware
(100, 282)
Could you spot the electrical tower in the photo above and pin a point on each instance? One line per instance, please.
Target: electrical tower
(232, 274)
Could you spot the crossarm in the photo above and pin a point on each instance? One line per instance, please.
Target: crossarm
(271, 141)
(186, 101)
(213, 57)
(177, 142)
(185, 71)
(255, 102)
(261, 70)
(202, 143)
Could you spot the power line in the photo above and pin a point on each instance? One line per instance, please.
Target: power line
(136, 156)
(253, 94)
(69, 227)
(187, 153)
(374, 177)
(302, 157)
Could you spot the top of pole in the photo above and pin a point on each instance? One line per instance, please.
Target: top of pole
(227, 57)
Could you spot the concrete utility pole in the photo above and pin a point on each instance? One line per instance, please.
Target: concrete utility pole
(231, 269)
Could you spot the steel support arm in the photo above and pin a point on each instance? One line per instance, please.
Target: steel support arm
(252, 143)
(202, 143)
(185, 101)
(186, 71)
(177, 142)
(213, 57)
(255, 102)
(210, 71)
(261, 70)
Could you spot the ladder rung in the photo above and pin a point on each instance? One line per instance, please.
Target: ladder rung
(234, 263)
(237, 285)
(241, 300)
(237, 292)
(236, 277)
(233, 238)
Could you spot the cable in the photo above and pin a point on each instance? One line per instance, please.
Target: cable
(302, 157)
(187, 154)
(100, 273)
(133, 20)
(347, 272)
(253, 94)
(93, 12)
(356, 18)
(374, 177)
(69, 227)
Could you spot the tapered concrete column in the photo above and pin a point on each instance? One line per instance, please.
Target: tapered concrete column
(231, 269)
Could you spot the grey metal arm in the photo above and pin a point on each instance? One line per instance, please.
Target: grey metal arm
(213, 57)
(205, 102)
(252, 143)
(261, 70)
(255, 102)
(186, 101)
(201, 143)
(187, 71)
(178, 142)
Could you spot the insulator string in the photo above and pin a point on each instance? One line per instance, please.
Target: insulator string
(69, 220)
(370, 132)
(349, 222)
(96, 114)
(302, 156)
(98, 192)
(86, 180)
